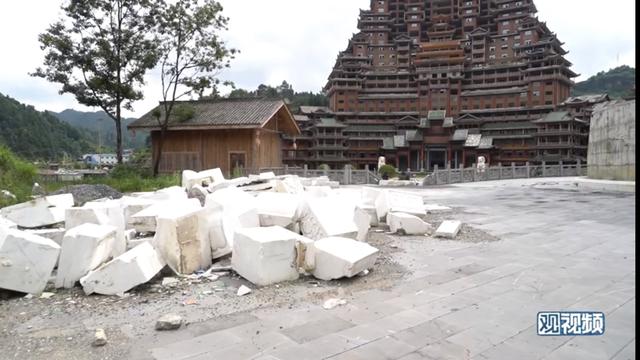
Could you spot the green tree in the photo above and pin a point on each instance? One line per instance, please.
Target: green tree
(99, 51)
(192, 56)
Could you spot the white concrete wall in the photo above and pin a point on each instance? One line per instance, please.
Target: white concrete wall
(612, 141)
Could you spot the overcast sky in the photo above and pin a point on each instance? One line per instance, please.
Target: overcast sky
(298, 41)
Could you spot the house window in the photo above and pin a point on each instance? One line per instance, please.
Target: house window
(536, 93)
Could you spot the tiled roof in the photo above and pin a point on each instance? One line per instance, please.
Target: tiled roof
(473, 140)
(556, 116)
(486, 142)
(460, 135)
(592, 99)
(226, 113)
(301, 118)
(330, 122)
(509, 125)
(313, 109)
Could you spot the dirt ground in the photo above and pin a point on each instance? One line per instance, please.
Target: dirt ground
(62, 327)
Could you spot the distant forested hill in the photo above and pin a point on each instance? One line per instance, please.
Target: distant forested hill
(103, 129)
(37, 135)
(615, 82)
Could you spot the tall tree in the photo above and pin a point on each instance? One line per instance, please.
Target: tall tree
(193, 56)
(99, 51)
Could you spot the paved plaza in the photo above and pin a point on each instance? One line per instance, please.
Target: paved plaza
(558, 249)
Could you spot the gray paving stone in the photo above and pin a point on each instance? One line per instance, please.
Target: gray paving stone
(315, 329)
(383, 349)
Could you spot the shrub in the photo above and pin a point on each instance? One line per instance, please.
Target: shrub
(324, 167)
(387, 171)
(16, 176)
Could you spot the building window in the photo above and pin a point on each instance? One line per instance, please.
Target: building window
(536, 93)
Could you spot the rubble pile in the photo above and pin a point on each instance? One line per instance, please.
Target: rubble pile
(276, 228)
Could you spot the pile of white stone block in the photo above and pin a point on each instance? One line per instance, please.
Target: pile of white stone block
(275, 228)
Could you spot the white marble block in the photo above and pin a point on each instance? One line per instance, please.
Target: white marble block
(337, 257)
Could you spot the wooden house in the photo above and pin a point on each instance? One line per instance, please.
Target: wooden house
(228, 134)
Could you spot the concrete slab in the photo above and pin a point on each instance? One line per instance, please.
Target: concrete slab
(84, 248)
(26, 261)
(326, 217)
(145, 221)
(397, 201)
(449, 229)
(341, 257)
(406, 224)
(136, 266)
(40, 212)
(182, 238)
(362, 219)
(278, 209)
(265, 255)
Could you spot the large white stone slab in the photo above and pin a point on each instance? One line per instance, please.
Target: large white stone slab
(288, 185)
(56, 234)
(136, 266)
(113, 213)
(26, 261)
(397, 201)
(145, 221)
(373, 214)
(328, 216)
(84, 248)
(337, 257)
(435, 208)
(133, 205)
(40, 212)
(230, 209)
(278, 209)
(182, 238)
(7, 224)
(318, 191)
(171, 193)
(406, 224)
(449, 229)
(265, 255)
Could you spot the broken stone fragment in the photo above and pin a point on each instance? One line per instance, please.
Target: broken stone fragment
(204, 178)
(229, 210)
(243, 290)
(40, 212)
(26, 261)
(332, 303)
(397, 201)
(318, 191)
(449, 229)
(371, 211)
(169, 322)
(369, 196)
(340, 257)
(265, 256)
(146, 220)
(288, 185)
(435, 208)
(174, 193)
(305, 254)
(56, 234)
(99, 338)
(182, 237)
(406, 224)
(363, 221)
(278, 209)
(326, 217)
(198, 192)
(135, 267)
(109, 212)
(84, 248)
(8, 224)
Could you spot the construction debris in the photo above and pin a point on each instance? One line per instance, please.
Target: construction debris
(40, 212)
(332, 303)
(243, 290)
(337, 257)
(99, 338)
(169, 322)
(26, 261)
(278, 209)
(135, 267)
(434, 208)
(397, 201)
(84, 248)
(203, 178)
(405, 224)
(328, 216)
(265, 256)
(449, 229)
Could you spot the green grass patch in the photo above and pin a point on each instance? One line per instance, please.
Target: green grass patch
(16, 176)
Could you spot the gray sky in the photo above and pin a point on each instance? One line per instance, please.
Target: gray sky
(298, 41)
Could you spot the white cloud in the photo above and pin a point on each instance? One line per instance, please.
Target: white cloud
(298, 41)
